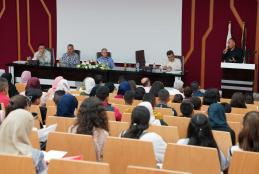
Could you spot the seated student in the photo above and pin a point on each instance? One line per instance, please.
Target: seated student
(12, 91)
(26, 75)
(15, 138)
(178, 98)
(238, 100)
(57, 96)
(102, 93)
(186, 109)
(105, 59)
(227, 107)
(133, 85)
(42, 55)
(92, 120)
(17, 102)
(99, 81)
(139, 93)
(129, 97)
(145, 82)
(211, 96)
(196, 101)
(218, 121)
(70, 57)
(67, 106)
(153, 120)
(195, 87)
(123, 87)
(249, 98)
(111, 86)
(34, 83)
(4, 98)
(156, 87)
(199, 133)
(164, 98)
(248, 139)
(87, 86)
(140, 120)
(187, 91)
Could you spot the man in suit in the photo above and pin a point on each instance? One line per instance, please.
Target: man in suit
(232, 54)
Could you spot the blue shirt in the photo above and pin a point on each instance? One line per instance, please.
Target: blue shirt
(72, 59)
(107, 61)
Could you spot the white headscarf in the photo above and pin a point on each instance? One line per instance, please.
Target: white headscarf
(63, 85)
(178, 84)
(14, 133)
(152, 120)
(89, 83)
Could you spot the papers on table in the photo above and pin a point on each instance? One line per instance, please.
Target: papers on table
(53, 154)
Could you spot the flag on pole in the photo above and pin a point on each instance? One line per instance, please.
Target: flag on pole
(229, 33)
(243, 41)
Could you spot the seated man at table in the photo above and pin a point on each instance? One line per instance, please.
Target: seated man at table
(42, 55)
(232, 54)
(105, 59)
(173, 63)
(70, 57)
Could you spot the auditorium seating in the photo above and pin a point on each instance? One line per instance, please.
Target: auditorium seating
(193, 159)
(74, 144)
(11, 164)
(20, 87)
(63, 123)
(117, 127)
(244, 163)
(51, 110)
(126, 117)
(236, 126)
(164, 111)
(223, 140)
(36, 109)
(111, 115)
(181, 123)
(146, 170)
(121, 152)
(235, 117)
(123, 108)
(34, 139)
(78, 167)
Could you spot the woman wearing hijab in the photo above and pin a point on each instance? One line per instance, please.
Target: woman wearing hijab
(59, 84)
(152, 120)
(67, 105)
(14, 138)
(88, 85)
(123, 88)
(217, 120)
(12, 91)
(34, 83)
(26, 75)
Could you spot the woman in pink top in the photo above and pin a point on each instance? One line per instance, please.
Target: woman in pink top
(4, 98)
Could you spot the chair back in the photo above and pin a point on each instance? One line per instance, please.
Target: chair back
(20, 87)
(181, 123)
(147, 170)
(63, 123)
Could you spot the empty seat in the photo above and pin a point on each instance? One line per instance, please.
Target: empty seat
(121, 152)
(168, 133)
(193, 159)
(126, 117)
(181, 123)
(117, 127)
(146, 170)
(78, 167)
(223, 140)
(34, 138)
(111, 115)
(74, 144)
(63, 123)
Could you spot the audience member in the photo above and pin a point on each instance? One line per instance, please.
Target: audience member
(121, 79)
(34, 95)
(133, 85)
(66, 106)
(248, 139)
(34, 83)
(210, 97)
(186, 109)
(227, 107)
(218, 121)
(238, 100)
(15, 138)
(129, 97)
(102, 93)
(12, 91)
(187, 91)
(57, 96)
(152, 120)
(164, 98)
(195, 86)
(199, 133)
(18, 102)
(178, 98)
(249, 98)
(156, 87)
(4, 98)
(140, 92)
(99, 81)
(145, 82)
(111, 86)
(92, 120)
(26, 75)
(123, 88)
(140, 120)
(178, 84)
(88, 85)
(196, 101)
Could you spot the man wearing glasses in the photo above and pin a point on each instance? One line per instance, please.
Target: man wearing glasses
(173, 63)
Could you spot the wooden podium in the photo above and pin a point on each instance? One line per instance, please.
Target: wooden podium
(237, 77)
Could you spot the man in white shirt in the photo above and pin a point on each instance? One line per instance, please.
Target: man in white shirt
(43, 55)
(173, 63)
